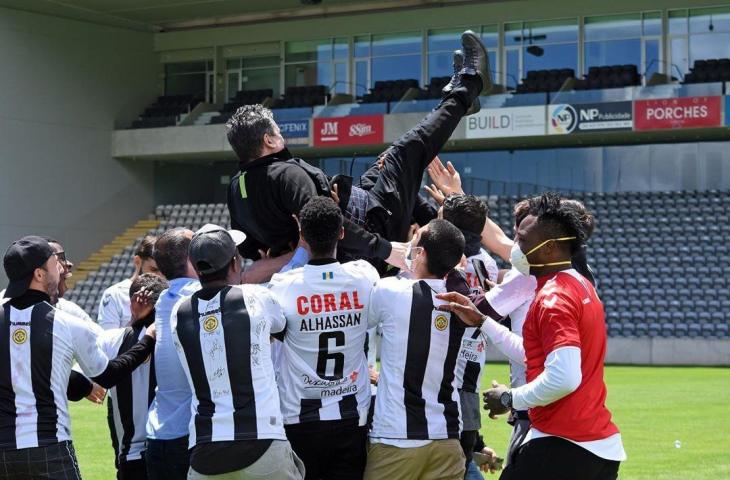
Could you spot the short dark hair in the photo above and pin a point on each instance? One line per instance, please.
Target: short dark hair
(444, 246)
(246, 129)
(559, 218)
(171, 253)
(145, 247)
(321, 220)
(466, 212)
(152, 283)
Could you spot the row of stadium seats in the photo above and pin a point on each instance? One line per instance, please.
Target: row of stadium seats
(243, 97)
(309, 96)
(389, 91)
(165, 111)
(543, 81)
(663, 274)
(715, 70)
(614, 76)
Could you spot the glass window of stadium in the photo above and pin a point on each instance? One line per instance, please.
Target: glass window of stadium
(190, 78)
(626, 39)
(386, 57)
(317, 62)
(254, 73)
(613, 40)
(698, 34)
(543, 45)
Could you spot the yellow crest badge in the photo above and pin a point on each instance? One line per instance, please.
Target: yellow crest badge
(441, 323)
(20, 336)
(210, 324)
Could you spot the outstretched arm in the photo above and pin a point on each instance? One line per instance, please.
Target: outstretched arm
(496, 241)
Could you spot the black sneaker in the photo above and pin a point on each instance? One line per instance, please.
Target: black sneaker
(458, 65)
(476, 59)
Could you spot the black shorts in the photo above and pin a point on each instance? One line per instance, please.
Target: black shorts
(330, 450)
(554, 458)
(54, 462)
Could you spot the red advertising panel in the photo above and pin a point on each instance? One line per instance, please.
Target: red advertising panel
(359, 130)
(677, 113)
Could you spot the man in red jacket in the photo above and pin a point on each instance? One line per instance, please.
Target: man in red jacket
(572, 435)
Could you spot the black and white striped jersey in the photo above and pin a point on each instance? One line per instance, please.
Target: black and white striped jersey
(473, 353)
(38, 346)
(324, 370)
(130, 399)
(223, 340)
(417, 397)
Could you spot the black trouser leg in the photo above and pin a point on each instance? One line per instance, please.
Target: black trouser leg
(554, 458)
(468, 439)
(398, 183)
(330, 450)
(132, 470)
(56, 461)
(167, 459)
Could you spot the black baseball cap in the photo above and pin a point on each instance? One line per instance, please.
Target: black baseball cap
(213, 247)
(20, 261)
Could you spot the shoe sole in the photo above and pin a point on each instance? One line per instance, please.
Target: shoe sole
(486, 81)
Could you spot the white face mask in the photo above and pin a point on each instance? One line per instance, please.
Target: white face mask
(411, 253)
(519, 260)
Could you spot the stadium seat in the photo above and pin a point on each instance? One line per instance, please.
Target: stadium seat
(393, 90)
(165, 111)
(544, 81)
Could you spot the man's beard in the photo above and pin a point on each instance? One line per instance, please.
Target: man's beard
(62, 288)
(52, 291)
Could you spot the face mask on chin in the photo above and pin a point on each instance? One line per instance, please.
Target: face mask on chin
(519, 260)
(410, 256)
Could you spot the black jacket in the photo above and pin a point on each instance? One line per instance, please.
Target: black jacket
(265, 194)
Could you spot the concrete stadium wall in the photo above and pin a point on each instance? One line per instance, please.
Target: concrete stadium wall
(65, 86)
(658, 351)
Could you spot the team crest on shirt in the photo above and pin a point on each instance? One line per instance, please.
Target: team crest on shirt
(210, 324)
(441, 323)
(20, 336)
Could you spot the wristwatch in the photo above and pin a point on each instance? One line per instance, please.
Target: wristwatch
(506, 399)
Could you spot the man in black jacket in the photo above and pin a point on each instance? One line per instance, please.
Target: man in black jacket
(272, 186)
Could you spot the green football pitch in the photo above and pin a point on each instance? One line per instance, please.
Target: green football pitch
(658, 409)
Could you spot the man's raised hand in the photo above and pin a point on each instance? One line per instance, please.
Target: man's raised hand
(445, 178)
